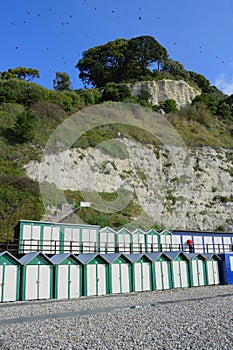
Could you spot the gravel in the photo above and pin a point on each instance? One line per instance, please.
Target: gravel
(192, 318)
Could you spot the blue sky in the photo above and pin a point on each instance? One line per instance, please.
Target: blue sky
(51, 35)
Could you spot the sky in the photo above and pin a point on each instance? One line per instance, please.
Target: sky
(51, 35)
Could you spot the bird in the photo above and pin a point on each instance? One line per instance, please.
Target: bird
(16, 47)
(139, 18)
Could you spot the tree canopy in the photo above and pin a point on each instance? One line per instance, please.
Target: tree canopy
(24, 73)
(120, 60)
(62, 81)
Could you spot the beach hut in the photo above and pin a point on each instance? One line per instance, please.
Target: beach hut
(141, 272)
(95, 274)
(67, 276)
(165, 241)
(138, 241)
(161, 270)
(37, 276)
(123, 241)
(152, 241)
(119, 273)
(212, 268)
(107, 237)
(180, 269)
(9, 277)
(226, 268)
(197, 269)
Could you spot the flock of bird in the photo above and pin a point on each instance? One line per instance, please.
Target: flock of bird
(70, 19)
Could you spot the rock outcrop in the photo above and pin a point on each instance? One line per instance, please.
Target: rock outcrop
(175, 186)
(162, 90)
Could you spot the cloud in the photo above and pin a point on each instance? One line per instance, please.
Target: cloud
(224, 84)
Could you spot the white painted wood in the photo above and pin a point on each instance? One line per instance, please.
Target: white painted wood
(116, 278)
(101, 280)
(44, 285)
(210, 272)
(125, 278)
(185, 238)
(216, 272)
(183, 273)
(152, 243)
(218, 244)
(146, 276)
(91, 280)
(32, 281)
(62, 285)
(176, 274)
(75, 281)
(201, 273)
(208, 243)
(10, 283)
(165, 274)
(176, 243)
(198, 244)
(35, 232)
(138, 277)
(195, 272)
(158, 275)
(27, 238)
(227, 243)
(165, 241)
(67, 234)
(47, 235)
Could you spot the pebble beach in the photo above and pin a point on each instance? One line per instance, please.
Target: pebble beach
(192, 318)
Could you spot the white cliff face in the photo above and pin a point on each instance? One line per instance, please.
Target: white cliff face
(177, 187)
(162, 90)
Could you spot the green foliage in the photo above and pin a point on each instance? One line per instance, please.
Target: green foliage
(22, 92)
(116, 92)
(169, 106)
(224, 110)
(120, 60)
(27, 74)
(175, 68)
(210, 101)
(201, 81)
(19, 198)
(17, 123)
(89, 96)
(62, 81)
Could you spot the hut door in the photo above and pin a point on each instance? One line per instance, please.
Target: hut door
(62, 281)
(74, 281)
(180, 274)
(116, 278)
(124, 278)
(44, 281)
(10, 282)
(216, 272)
(96, 279)
(101, 279)
(31, 286)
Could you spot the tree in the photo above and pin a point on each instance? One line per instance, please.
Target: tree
(62, 81)
(201, 81)
(224, 111)
(169, 105)
(116, 92)
(120, 60)
(27, 74)
(210, 101)
(175, 68)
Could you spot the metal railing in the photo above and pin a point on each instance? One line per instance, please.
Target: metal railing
(55, 247)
